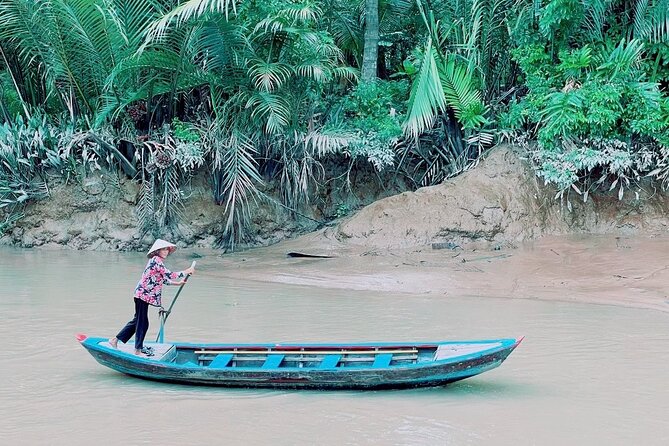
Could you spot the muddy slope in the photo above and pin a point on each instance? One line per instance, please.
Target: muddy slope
(495, 205)
(101, 213)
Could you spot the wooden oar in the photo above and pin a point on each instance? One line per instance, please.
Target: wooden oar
(164, 314)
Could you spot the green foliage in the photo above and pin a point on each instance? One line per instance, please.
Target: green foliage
(184, 131)
(170, 164)
(608, 100)
(73, 46)
(596, 116)
(342, 210)
(10, 102)
(253, 90)
(446, 78)
(593, 164)
(27, 148)
(536, 65)
(560, 19)
(373, 111)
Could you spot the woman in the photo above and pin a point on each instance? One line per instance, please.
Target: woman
(148, 292)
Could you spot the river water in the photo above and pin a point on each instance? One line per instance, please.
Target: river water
(585, 374)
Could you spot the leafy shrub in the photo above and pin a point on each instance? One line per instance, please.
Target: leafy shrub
(595, 114)
(184, 131)
(373, 112)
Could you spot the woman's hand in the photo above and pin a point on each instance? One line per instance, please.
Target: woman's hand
(189, 271)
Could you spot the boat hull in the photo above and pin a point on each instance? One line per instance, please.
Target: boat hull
(420, 374)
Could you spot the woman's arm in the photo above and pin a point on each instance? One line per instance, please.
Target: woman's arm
(170, 276)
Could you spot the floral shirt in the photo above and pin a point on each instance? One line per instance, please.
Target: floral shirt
(150, 286)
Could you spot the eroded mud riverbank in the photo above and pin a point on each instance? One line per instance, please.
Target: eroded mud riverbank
(629, 271)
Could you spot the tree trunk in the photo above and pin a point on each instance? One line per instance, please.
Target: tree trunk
(371, 48)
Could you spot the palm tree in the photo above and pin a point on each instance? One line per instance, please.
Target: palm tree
(356, 34)
(71, 47)
(265, 67)
(445, 81)
(370, 52)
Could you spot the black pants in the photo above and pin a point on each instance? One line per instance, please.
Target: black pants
(138, 326)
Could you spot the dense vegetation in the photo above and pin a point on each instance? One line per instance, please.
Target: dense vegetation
(254, 91)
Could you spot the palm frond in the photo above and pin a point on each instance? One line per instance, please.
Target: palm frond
(271, 109)
(622, 58)
(269, 76)
(26, 23)
(305, 12)
(347, 34)
(145, 206)
(595, 16)
(313, 70)
(392, 13)
(322, 143)
(129, 19)
(222, 46)
(462, 95)
(562, 109)
(642, 26)
(191, 9)
(651, 20)
(239, 177)
(273, 25)
(427, 95)
(348, 73)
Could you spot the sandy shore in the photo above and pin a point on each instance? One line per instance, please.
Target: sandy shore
(628, 271)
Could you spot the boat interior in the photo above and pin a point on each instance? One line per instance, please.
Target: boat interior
(314, 357)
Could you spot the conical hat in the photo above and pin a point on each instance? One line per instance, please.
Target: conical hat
(160, 244)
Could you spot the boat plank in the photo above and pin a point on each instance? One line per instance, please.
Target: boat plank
(161, 351)
(382, 360)
(330, 362)
(221, 361)
(306, 352)
(298, 359)
(272, 362)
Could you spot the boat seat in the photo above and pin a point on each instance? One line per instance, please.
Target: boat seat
(382, 360)
(330, 362)
(273, 361)
(220, 361)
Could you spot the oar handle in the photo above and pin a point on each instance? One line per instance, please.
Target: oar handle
(164, 314)
(192, 265)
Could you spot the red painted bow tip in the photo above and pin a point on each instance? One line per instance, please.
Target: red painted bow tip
(81, 337)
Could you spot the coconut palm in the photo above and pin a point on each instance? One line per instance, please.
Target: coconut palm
(265, 68)
(72, 46)
(355, 35)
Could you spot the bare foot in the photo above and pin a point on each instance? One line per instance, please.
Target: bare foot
(113, 342)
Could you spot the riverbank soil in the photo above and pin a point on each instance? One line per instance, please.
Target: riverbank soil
(629, 271)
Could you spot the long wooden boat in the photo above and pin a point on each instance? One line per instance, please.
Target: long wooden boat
(307, 366)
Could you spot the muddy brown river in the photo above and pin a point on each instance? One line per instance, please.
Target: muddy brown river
(593, 368)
